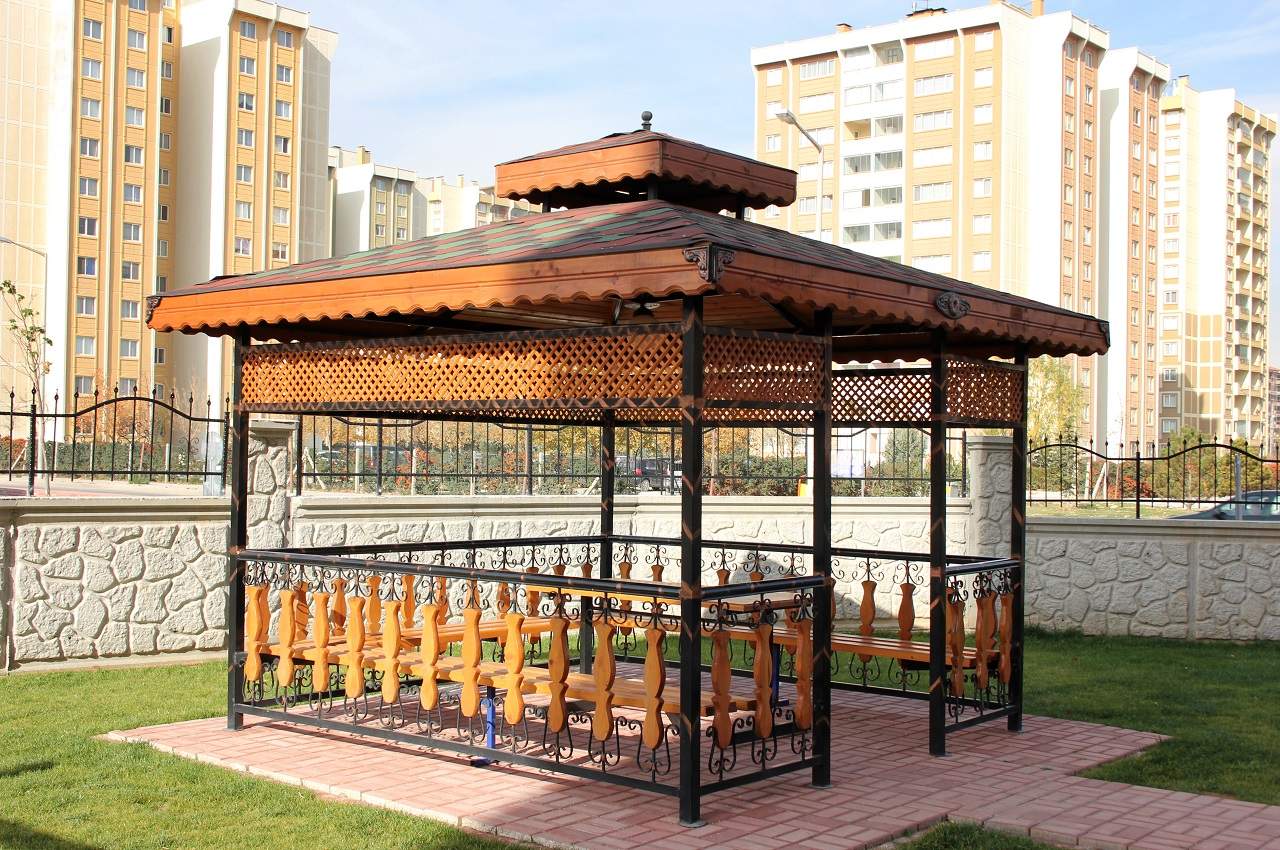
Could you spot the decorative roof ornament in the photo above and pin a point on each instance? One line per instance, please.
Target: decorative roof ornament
(952, 305)
(646, 120)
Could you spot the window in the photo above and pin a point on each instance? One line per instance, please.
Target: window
(984, 40)
(982, 261)
(248, 29)
(129, 386)
(982, 151)
(243, 246)
(166, 106)
(939, 120)
(87, 226)
(92, 29)
(887, 196)
(1068, 158)
(858, 233)
(888, 230)
(857, 164)
(166, 70)
(128, 349)
(825, 135)
(983, 78)
(244, 173)
(1086, 271)
(773, 143)
(773, 211)
(1088, 200)
(91, 69)
(1169, 323)
(817, 102)
(935, 49)
(88, 147)
(133, 154)
(982, 223)
(379, 230)
(87, 266)
(1171, 349)
(1171, 246)
(284, 74)
(162, 177)
(888, 126)
(284, 38)
(1087, 235)
(168, 35)
(1068, 231)
(89, 187)
(282, 144)
(162, 283)
(134, 116)
(925, 157)
(86, 305)
(773, 77)
(1068, 193)
(281, 180)
(158, 355)
(936, 263)
(90, 107)
(930, 228)
(1171, 295)
(162, 212)
(280, 215)
(248, 66)
(84, 385)
(166, 141)
(982, 187)
(244, 210)
(925, 192)
(137, 40)
(132, 193)
(982, 113)
(1169, 375)
(1088, 165)
(130, 270)
(887, 90)
(1088, 95)
(1088, 58)
(128, 309)
(857, 95)
(1088, 129)
(86, 346)
(1068, 267)
(1068, 122)
(888, 160)
(244, 137)
(245, 101)
(135, 78)
(937, 84)
(820, 68)
(772, 108)
(1069, 86)
(284, 109)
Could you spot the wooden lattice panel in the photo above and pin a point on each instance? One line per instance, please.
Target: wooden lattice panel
(471, 373)
(763, 368)
(989, 393)
(880, 395)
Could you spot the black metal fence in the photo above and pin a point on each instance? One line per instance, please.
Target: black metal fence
(1224, 480)
(130, 438)
(336, 453)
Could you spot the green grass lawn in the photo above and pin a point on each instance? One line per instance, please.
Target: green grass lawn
(61, 789)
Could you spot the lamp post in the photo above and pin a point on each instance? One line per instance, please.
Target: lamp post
(788, 117)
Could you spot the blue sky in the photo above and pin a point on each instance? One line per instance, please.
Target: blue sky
(453, 87)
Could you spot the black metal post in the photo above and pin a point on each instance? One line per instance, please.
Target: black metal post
(528, 460)
(608, 462)
(297, 455)
(377, 460)
(691, 404)
(1018, 548)
(239, 535)
(822, 597)
(938, 548)
(31, 448)
(1137, 481)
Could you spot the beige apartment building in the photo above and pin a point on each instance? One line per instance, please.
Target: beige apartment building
(376, 205)
(110, 102)
(1214, 263)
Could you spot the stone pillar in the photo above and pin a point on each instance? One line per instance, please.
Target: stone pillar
(990, 461)
(270, 443)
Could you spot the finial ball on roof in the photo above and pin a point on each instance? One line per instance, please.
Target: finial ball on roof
(646, 118)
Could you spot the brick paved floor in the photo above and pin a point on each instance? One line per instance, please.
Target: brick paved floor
(885, 785)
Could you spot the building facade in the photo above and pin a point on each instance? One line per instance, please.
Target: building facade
(1273, 408)
(119, 98)
(1214, 243)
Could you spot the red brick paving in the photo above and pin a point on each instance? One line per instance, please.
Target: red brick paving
(885, 785)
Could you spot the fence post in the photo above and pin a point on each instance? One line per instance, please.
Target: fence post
(1137, 481)
(297, 460)
(31, 448)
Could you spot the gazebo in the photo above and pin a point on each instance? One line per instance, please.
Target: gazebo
(636, 302)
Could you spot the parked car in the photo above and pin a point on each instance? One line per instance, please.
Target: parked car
(1256, 506)
(651, 473)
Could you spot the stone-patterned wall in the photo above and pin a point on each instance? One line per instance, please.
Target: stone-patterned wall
(99, 578)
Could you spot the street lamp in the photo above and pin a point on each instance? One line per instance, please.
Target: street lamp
(789, 117)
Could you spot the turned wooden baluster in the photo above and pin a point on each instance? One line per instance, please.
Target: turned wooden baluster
(410, 606)
(907, 608)
(762, 676)
(721, 702)
(1005, 670)
(558, 667)
(867, 613)
(655, 680)
(373, 611)
(442, 601)
(426, 668)
(513, 658)
(287, 633)
(984, 632)
(602, 672)
(302, 619)
(353, 658)
(338, 620)
(255, 630)
(722, 575)
(656, 571)
(955, 640)
(534, 596)
(624, 572)
(390, 663)
(318, 655)
(804, 672)
(471, 651)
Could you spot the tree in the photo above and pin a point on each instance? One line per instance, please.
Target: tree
(31, 341)
(1054, 400)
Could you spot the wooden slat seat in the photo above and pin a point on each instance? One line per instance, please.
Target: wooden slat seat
(883, 647)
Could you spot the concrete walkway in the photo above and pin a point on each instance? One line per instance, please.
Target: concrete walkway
(885, 785)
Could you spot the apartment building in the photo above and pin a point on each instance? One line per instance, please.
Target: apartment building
(458, 204)
(1273, 408)
(113, 100)
(1131, 83)
(1214, 272)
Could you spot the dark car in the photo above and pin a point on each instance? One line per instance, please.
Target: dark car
(651, 473)
(1256, 506)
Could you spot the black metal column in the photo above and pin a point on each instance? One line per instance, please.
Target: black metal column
(822, 597)
(238, 537)
(1018, 547)
(691, 409)
(938, 548)
(608, 462)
